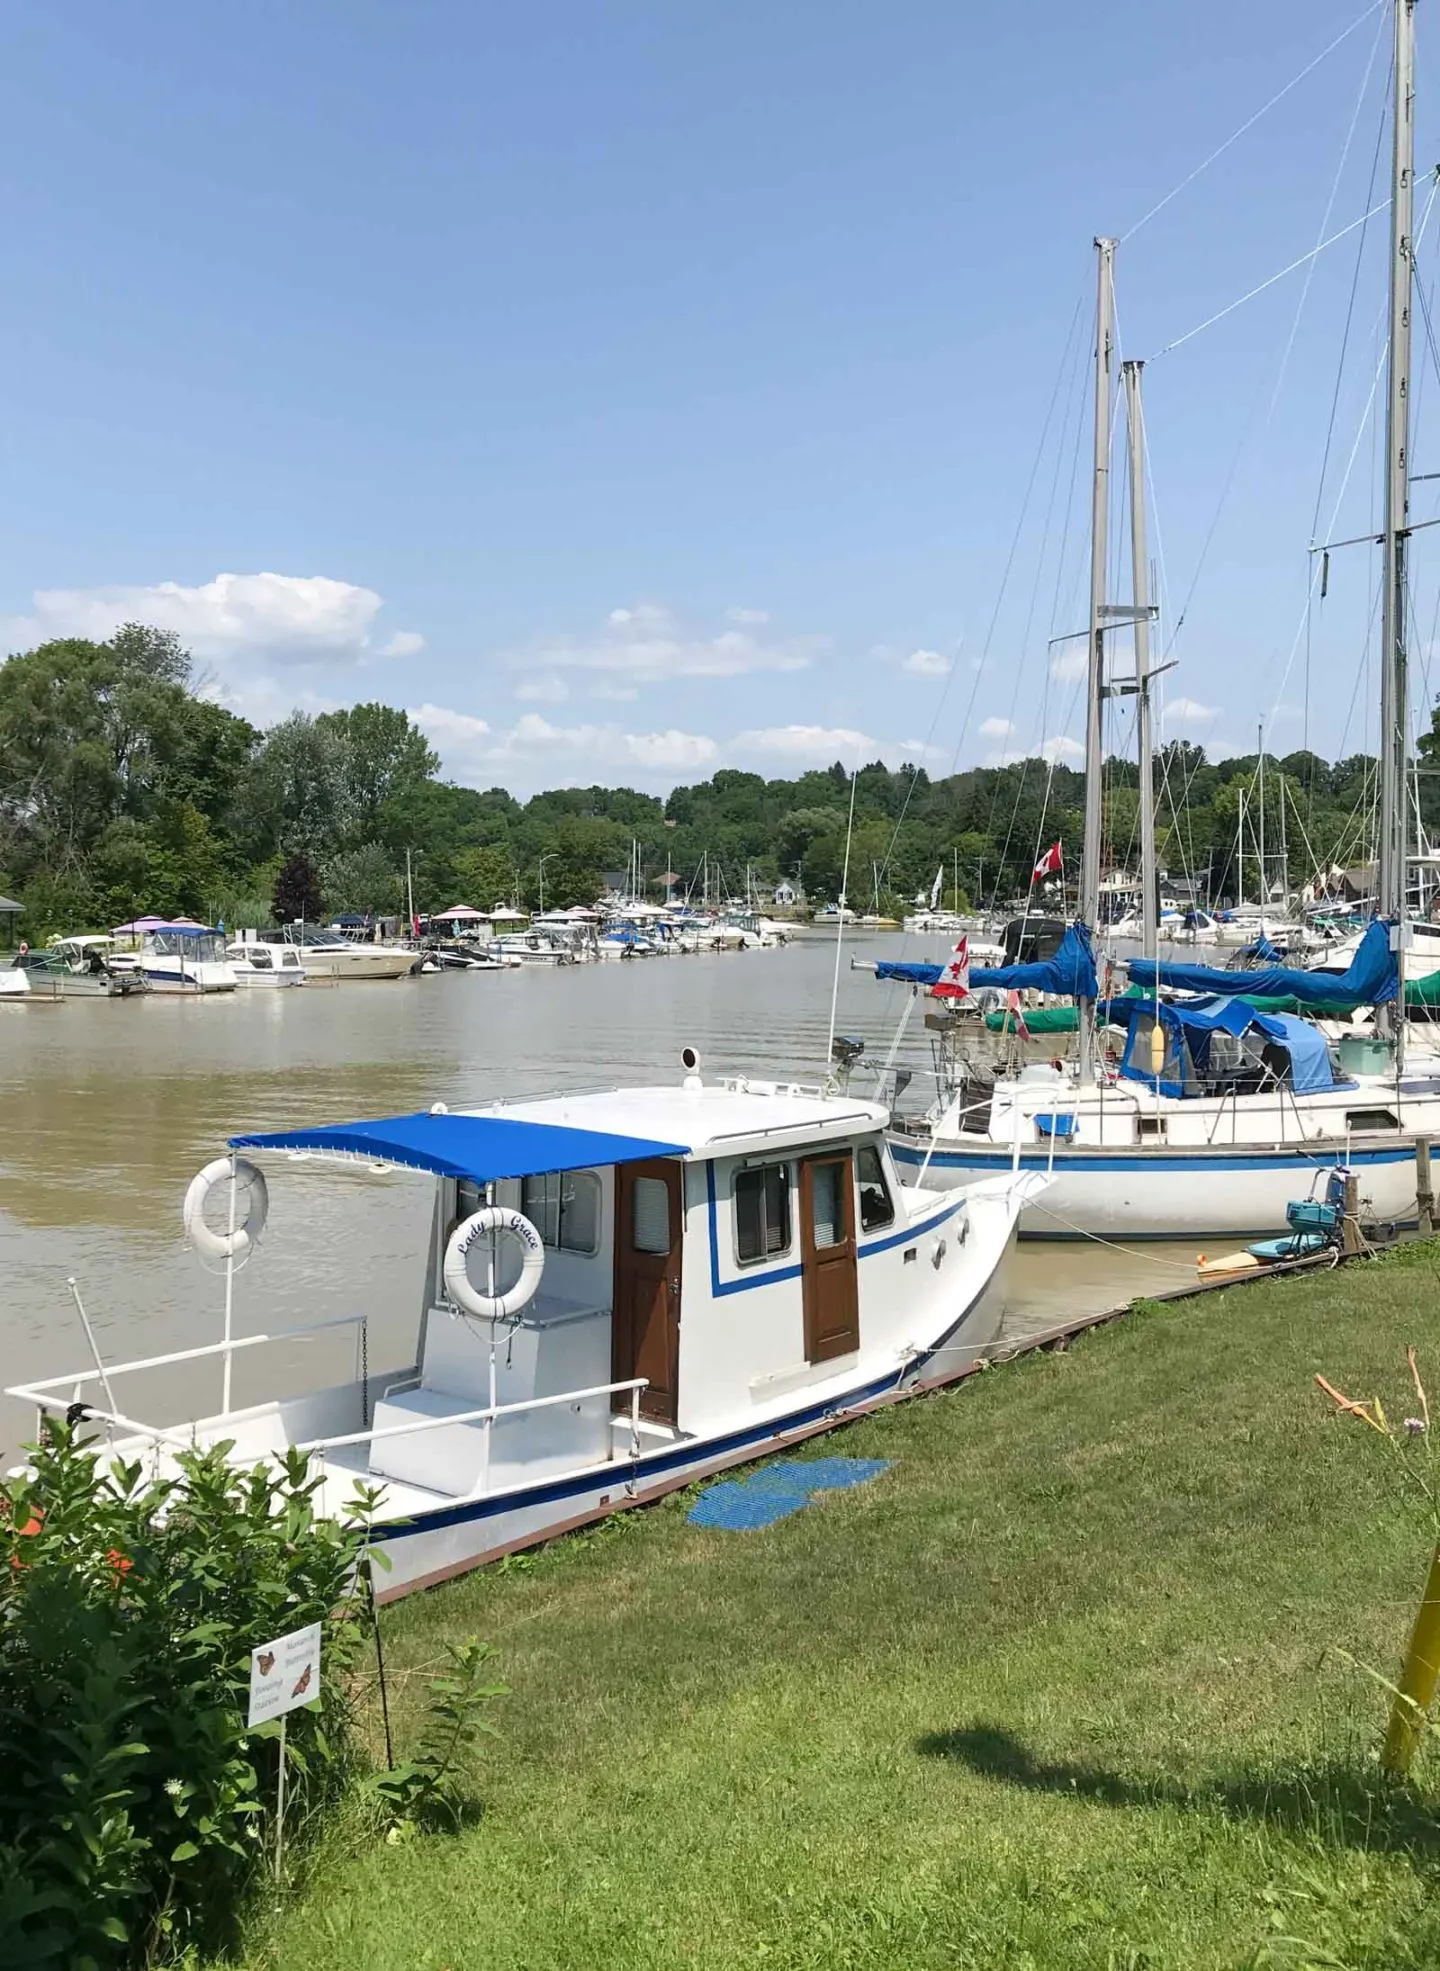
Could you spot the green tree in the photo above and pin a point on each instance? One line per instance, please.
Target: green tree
(364, 880)
(294, 796)
(381, 755)
(296, 895)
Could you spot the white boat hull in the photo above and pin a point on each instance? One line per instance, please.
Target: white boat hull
(1174, 1193)
(186, 974)
(357, 961)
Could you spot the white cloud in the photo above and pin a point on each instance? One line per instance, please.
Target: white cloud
(996, 728)
(926, 664)
(560, 754)
(285, 618)
(646, 644)
(803, 743)
(1060, 751)
(546, 690)
(1189, 711)
(1070, 664)
(748, 615)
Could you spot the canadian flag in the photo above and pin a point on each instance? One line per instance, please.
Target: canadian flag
(1017, 1014)
(1052, 863)
(954, 981)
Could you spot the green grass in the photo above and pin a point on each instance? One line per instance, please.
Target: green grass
(1058, 1690)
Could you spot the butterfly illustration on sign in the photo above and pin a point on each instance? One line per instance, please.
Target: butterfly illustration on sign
(266, 1660)
(304, 1684)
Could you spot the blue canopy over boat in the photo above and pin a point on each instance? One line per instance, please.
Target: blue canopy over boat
(1372, 979)
(480, 1148)
(1192, 1022)
(1071, 971)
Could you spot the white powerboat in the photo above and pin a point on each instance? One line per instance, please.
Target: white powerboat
(265, 963)
(619, 1294)
(327, 955)
(177, 954)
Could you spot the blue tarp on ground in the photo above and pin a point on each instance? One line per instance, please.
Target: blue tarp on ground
(1373, 977)
(1070, 972)
(1195, 1021)
(481, 1148)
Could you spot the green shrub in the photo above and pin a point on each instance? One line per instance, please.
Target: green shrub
(134, 1803)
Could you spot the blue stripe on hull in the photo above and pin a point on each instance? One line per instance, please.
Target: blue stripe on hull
(1309, 1157)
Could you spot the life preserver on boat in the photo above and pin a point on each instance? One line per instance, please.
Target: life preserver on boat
(226, 1245)
(493, 1219)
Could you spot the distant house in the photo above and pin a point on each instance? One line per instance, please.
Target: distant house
(786, 896)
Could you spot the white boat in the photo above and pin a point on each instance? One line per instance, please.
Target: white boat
(87, 967)
(705, 1273)
(265, 963)
(326, 955)
(177, 954)
(14, 982)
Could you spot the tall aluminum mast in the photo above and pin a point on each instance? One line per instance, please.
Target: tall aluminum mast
(1140, 577)
(1394, 688)
(1095, 688)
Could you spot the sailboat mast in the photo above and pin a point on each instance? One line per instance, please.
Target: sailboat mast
(1095, 684)
(1140, 578)
(1260, 827)
(1394, 692)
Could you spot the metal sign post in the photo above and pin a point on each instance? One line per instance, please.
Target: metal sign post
(284, 1675)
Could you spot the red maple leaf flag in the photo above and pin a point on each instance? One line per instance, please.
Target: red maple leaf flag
(954, 981)
(1017, 1016)
(1052, 863)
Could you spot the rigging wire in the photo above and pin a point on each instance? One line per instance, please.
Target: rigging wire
(1251, 121)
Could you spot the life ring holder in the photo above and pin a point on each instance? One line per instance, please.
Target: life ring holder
(240, 1243)
(488, 1221)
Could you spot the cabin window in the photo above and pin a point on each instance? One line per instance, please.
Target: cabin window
(762, 1212)
(650, 1215)
(828, 1206)
(876, 1207)
(259, 958)
(564, 1208)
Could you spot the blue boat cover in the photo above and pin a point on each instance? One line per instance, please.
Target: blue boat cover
(1070, 972)
(1373, 977)
(481, 1148)
(1195, 1020)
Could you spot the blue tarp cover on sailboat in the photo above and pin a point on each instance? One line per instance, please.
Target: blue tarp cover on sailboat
(1372, 979)
(1071, 971)
(481, 1148)
(1195, 1021)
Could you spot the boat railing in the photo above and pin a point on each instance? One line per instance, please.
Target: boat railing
(489, 1414)
(44, 1393)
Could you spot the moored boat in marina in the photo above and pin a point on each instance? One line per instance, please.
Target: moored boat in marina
(619, 1293)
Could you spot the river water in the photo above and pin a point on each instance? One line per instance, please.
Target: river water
(109, 1107)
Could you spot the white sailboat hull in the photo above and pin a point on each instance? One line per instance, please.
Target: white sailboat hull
(1180, 1193)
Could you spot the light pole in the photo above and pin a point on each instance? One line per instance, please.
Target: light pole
(549, 856)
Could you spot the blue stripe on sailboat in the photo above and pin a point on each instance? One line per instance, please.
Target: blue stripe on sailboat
(1170, 1161)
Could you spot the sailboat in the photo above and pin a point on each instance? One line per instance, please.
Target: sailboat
(1211, 1115)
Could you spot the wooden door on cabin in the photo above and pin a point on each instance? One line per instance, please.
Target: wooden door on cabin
(827, 1256)
(645, 1325)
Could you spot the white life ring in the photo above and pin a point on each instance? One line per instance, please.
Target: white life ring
(502, 1306)
(226, 1245)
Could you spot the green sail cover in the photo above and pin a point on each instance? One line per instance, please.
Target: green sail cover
(1040, 1019)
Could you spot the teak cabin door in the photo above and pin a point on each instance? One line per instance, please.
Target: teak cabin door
(827, 1255)
(645, 1325)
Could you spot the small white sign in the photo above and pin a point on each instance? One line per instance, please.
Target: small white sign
(284, 1674)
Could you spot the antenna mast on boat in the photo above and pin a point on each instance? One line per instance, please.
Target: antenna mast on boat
(1394, 693)
(1095, 685)
(1140, 578)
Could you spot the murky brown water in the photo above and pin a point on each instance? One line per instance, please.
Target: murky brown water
(109, 1107)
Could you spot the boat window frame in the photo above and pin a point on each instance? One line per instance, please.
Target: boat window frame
(881, 1179)
(558, 1243)
(758, 1169)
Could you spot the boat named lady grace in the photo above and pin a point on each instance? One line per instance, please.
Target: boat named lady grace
(1202, 1114)
(620, 1293)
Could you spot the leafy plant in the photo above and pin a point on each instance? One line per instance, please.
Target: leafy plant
(134, 1801)
(430, 1787)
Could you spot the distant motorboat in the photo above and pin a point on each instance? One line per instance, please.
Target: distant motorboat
(179, 955)
(326, 955)
(268, 965)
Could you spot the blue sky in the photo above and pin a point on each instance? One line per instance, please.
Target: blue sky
(633, 389)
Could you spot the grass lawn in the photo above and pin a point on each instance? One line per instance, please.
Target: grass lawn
(1057, 1690)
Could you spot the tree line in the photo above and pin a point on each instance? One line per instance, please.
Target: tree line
(123, 788)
